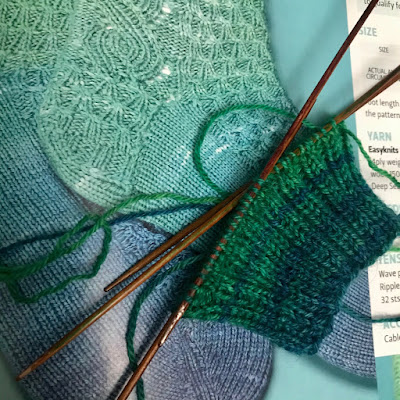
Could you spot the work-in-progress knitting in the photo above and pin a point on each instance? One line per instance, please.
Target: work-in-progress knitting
(282, 269)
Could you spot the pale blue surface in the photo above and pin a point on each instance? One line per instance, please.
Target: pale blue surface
(384, 370)
(305, 37)
(310, 378)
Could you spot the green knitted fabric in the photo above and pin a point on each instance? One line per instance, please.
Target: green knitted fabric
(137, 82)
(282, 268)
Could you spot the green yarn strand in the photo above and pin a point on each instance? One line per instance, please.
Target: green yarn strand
(11, 275)
(17, 295)
(161, 196)
(205, 130)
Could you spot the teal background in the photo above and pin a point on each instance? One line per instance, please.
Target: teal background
(384, 371)
(8, 388)
(305, 36)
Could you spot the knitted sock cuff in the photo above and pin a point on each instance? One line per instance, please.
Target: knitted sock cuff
(286, 264)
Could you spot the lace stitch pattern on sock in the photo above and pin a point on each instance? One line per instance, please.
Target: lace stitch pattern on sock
(137, 82)
(312, 227)
(32, 32)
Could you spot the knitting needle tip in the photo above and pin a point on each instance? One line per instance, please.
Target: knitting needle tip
(136, 268)
(112, 285)
(24, 373)
(159, 341)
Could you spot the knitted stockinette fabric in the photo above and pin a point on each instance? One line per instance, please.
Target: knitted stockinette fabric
(34, 203)
(137, 82)
(282, 269)
(349, 346)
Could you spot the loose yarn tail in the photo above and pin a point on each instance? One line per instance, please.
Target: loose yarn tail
(12, 275)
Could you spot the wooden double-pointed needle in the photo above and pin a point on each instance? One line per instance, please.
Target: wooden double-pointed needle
(203, 227)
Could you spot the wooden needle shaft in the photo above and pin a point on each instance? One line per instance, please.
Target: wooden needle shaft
(314, 95)
(174, 240)
(160, 340)
(375, 91)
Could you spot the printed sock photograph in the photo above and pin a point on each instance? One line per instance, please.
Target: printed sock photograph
(199, 200)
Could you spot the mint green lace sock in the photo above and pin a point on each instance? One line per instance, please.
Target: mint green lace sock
(136, 84)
